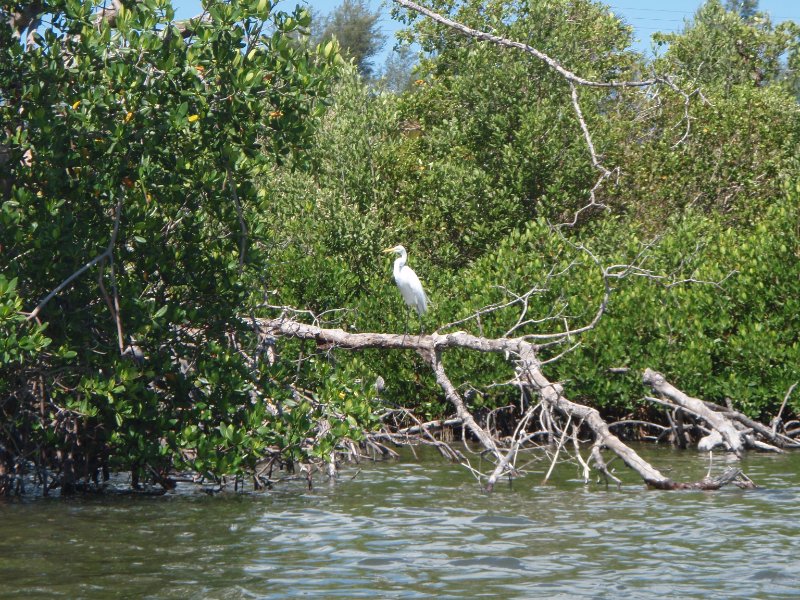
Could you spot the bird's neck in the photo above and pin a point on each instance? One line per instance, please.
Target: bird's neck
(399, 263)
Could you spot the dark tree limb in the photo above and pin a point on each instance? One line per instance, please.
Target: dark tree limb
(105, 255)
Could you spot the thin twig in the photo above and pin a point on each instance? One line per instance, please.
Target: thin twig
(242, 223)
(576, 427)
(558, 450)
(777, 418)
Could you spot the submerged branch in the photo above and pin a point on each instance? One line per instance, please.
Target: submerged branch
(729, 427)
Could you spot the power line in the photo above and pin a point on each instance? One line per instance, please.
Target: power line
(691, 13)
(650, 19)
(660, 10)
(638, 22)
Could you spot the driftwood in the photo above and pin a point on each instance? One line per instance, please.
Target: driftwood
(529, 377)
(729, 428)
(781, 440)
(718, 422)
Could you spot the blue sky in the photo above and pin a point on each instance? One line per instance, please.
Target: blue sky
(646, 16)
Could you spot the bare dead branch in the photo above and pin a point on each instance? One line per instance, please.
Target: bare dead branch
(776, 421)
(604, 172)
(558, 450)
(434, 360)
(501, 41)
(113, 306)
(429, 426)
(600, 464)
(607, 273)
(552, 394)
(502, 467)
(576, 445)
(716, 420)
(529, 373)
(712, 413)
(573, 80)
(777, 438)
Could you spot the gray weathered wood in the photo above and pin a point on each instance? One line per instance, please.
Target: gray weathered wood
(530, 375)
(716, 420)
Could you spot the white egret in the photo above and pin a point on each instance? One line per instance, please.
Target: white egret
(409, 284)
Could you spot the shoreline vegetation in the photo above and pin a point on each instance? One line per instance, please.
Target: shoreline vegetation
(192, 212)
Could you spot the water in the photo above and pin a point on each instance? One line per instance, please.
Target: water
(419, 529)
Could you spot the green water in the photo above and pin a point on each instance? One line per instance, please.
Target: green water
(419, 528)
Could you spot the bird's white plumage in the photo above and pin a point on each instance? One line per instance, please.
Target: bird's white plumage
(711, 441)
(407, 282)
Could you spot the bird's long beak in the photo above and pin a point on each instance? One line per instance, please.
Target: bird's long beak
(387, 250)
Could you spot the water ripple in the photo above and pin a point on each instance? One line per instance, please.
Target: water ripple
(419, 530)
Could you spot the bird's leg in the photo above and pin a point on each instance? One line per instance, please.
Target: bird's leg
(405, 331)
(420, 325)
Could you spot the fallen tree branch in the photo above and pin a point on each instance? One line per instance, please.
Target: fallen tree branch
(558, 450)
(769, 433)
(435, 361)
(429, 426)
(777, 438)
(552, 393)
(529, 376)
(723, 421)
(717, 421)
(503, 465)
(423, 433)
(596, 457)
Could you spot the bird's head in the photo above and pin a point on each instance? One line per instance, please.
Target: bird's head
(395, 249)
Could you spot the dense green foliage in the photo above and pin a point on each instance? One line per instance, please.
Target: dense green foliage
(738, 340)
(244, 169)
(469, 167)
(148, 140)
